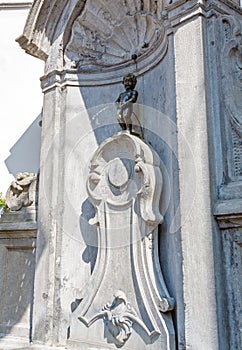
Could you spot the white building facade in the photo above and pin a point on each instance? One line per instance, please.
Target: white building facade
(137, 241)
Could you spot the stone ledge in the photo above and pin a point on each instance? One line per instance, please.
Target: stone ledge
(181, 11)
(228, 213)
(39, 347)
(21, 5)
(14, 343)
(10, 343)
(29, 347)
(22, 220)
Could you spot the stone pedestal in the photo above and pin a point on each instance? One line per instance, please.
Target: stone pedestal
(17, 264)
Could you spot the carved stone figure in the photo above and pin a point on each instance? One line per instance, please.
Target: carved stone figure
(22, 191)
(124, 103)
(124, 185)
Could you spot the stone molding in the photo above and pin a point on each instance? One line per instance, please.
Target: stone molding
(71, 77)
(19, 221)
(175, 4)
(180, 11)
(15, 5)
(228, 213)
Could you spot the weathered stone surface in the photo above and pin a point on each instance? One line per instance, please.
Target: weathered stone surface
(196, 225)
(17, 264)
(78, 116)
(232, 255)
(67, 140)
(229, 217)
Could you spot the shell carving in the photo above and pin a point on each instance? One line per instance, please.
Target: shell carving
(111, 33)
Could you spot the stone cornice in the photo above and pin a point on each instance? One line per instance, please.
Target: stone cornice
(181, 11)
(41, 28)
(228, 213)
(206, 3)
(15, 5)
(70, 77)
(73, 77)
(22, 220)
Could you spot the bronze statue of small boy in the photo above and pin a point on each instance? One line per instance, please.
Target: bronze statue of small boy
(124, 103)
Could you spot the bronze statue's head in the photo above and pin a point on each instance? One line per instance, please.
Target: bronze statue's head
(129, 81)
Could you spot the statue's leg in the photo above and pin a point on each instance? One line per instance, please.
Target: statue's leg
(128, 123)
(121, 121)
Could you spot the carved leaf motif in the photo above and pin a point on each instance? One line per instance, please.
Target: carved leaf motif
(108, 33)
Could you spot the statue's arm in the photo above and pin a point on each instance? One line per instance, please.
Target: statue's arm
(135, 96)
(118, 99)
(132, 99)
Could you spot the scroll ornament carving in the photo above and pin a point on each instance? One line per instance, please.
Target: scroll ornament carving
(112, 33)
(22, 191)
(232, 86)
(149, 191)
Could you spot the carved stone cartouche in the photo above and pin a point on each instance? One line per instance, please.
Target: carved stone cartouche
(124, 185)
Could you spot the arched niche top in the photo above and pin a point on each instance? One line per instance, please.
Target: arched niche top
(96, 37)
(48, 20)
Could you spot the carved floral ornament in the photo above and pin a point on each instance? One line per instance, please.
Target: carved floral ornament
(231, 63)
(113, 34)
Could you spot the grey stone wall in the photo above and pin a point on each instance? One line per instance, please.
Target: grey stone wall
(190, 109)
(17, 265)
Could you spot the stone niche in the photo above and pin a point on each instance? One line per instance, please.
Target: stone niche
(82, 81)
(100, 188)
(101, 245)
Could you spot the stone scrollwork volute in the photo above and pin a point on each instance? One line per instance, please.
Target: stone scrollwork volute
(109, 34)
(121, 173)
(22, 191)
(231, 63)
